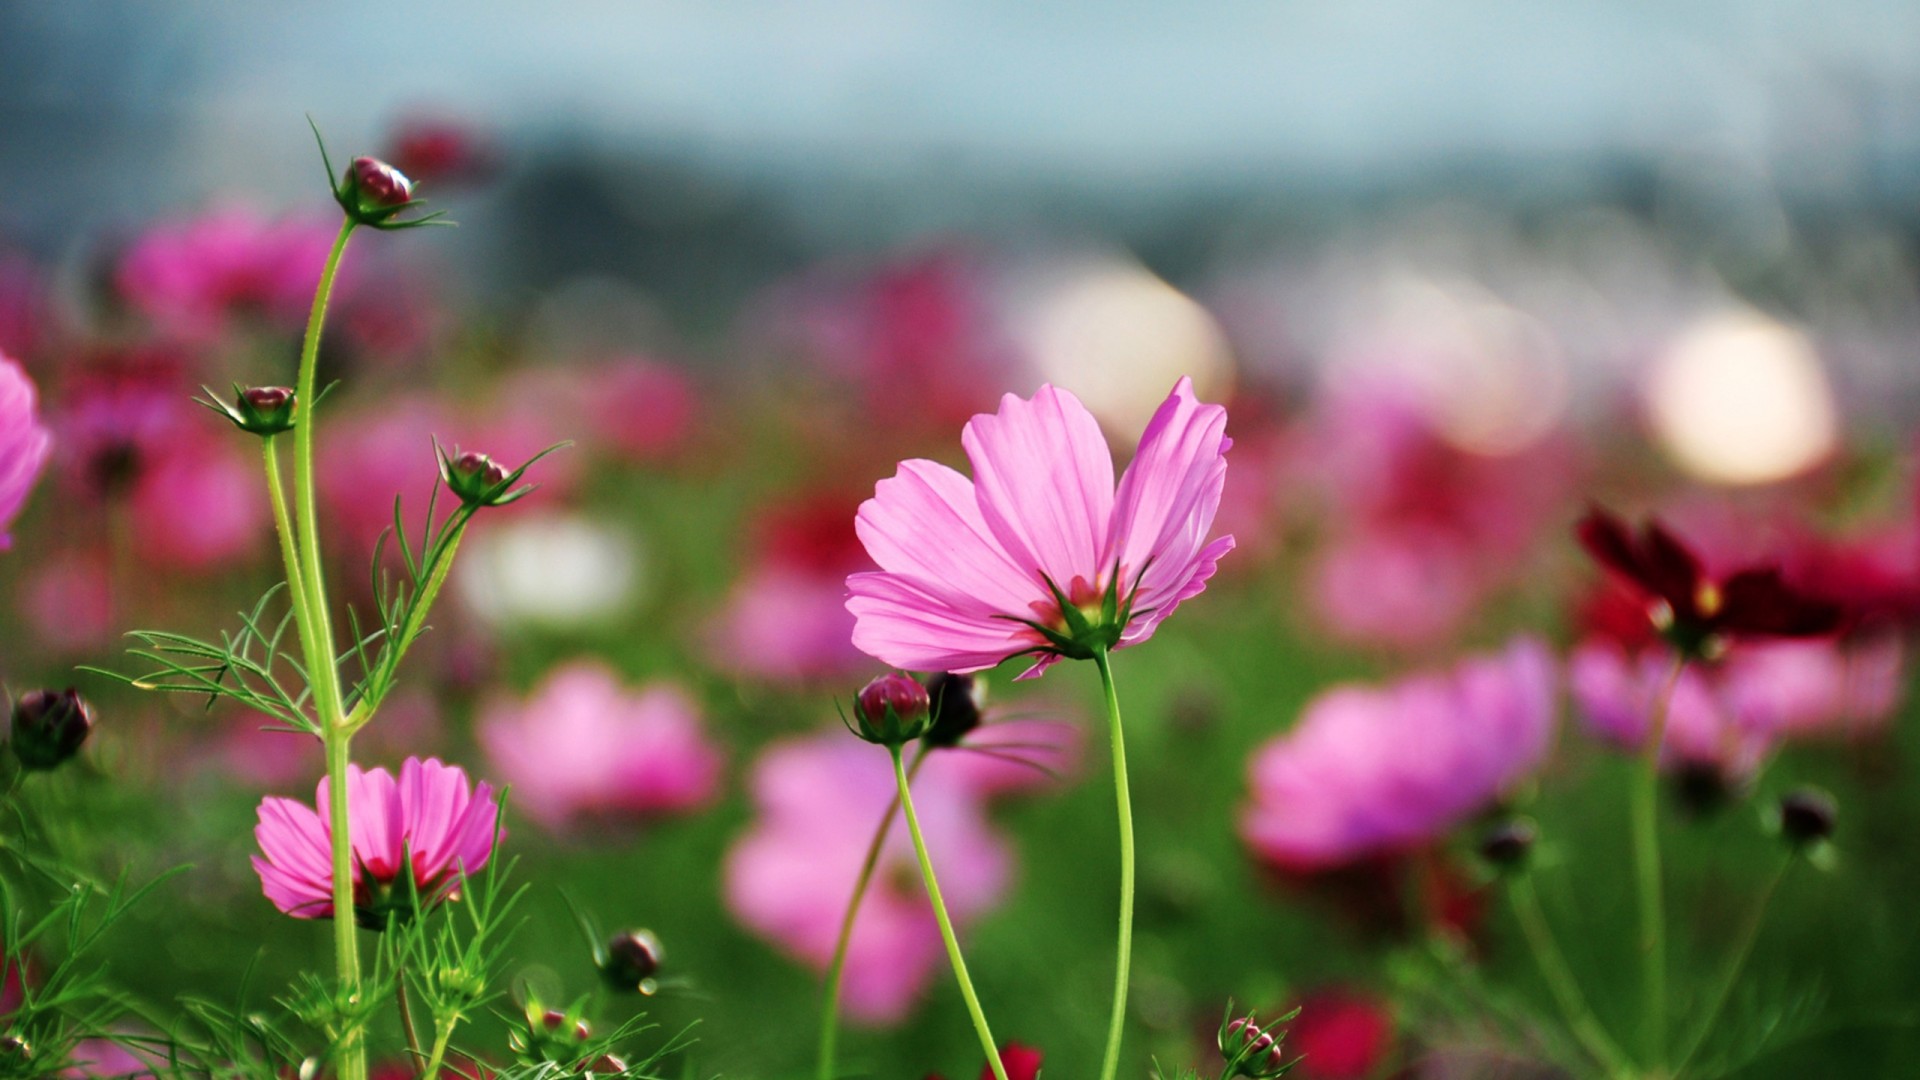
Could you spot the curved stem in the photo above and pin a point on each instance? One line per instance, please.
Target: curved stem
(946, 925)
(1735, 962)
(323, 674)
(830, 1018)
(1116, 1022)
(1645, 811)
(1566, 989)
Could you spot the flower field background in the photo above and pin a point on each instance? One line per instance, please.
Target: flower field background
(1514, 480)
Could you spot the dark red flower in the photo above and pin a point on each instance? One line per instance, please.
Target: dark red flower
(1692, 609)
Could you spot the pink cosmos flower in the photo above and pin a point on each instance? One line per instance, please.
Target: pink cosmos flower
(23, 442)
(193, 277)
(789, 878)
(429, 825)
(1374, 770)
(1039, 553)
(584, 743)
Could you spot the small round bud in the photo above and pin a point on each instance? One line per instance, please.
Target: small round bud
(955, 702)
(378, 188)
(1506, 844)
(1255, 1053)
(14, 1047)
(892, 710)
(264, 410)
(1807, 816)
(49, 726)
(632, 960)
(476, 478)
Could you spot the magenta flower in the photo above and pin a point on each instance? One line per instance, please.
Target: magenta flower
(23, 442)
(1039, 553)
(414, 840)
(583, 743)
(1375, 770)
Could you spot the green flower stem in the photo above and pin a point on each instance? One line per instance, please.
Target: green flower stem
(1116, 1023)
(830, 1019)
(323, 674)
(1645, 813)
(1735, 962)
(289, 553)
(946, 925)
(1566, 989)
(439, 1055)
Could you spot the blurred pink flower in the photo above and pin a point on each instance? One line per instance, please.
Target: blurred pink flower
(68, 600)
(127, 427)
(917, 330)
(107, 1058)
(430, 822)
(786, 618)
(972, 571)
(1730, 714)
(1417, 530)
(200, 504)
(23, 443)
(789, 877)
(1373, 770)
(583, 743)
(193, 278)
(372, 455)
(643, 410)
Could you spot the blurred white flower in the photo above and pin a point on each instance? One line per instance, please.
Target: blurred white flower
(552, 572)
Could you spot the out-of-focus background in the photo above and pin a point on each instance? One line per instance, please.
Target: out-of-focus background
(1456, 269)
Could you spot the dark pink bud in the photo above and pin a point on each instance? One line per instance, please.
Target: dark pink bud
(379, 184)
(892, 710)
(49, 726)
(633, 958)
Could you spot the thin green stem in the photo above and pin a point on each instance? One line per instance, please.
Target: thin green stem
(946, 925)
(1580, 1019)
(830, 1018)
(289, 552)
(1736, 961)
(1645, 813)
(323, 674)
(406, 1013)
(1123, 964)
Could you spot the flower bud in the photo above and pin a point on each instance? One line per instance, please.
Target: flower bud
(476, 478)
(15, 1048)
(1807, 816)
(1252, 1052)
(891, 710)
(259, 410)
(372, 191)
(554, 1020)
(1506, 844)
(49, 726)
(266, 410)
(955, 702)
(632, 960)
